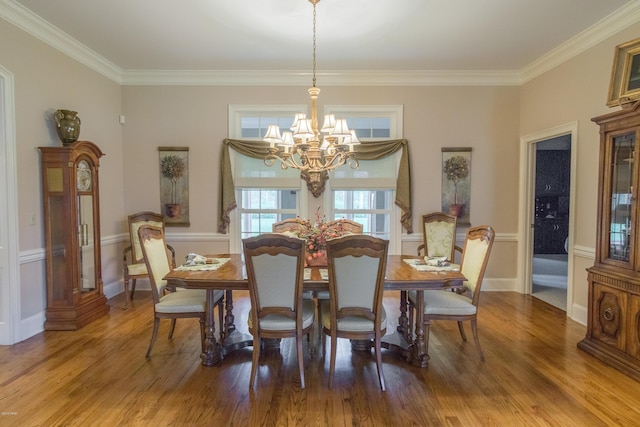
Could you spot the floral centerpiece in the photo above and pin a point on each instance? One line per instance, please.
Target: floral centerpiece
(316, 234)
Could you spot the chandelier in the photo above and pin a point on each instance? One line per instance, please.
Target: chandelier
(302, 147)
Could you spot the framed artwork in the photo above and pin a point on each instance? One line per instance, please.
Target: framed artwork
(625, 75)
(456, 183)
(174, 185)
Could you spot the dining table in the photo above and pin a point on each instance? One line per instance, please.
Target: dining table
(403, 273)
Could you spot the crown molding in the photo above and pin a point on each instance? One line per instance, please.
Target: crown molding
(622, 18)
(29, 22)
(328, 78)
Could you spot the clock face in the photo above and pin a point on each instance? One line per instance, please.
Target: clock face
(83, 176)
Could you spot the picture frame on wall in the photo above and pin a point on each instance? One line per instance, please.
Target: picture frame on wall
(174, 185)
(456, 183)
(624, 87)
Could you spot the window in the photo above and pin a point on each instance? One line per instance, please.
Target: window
(370, 201)
(264, 194)
(269, 194)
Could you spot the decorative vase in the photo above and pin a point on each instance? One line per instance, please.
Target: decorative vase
(173, 210)
(320, 260)
(67, 126)
(456, 209)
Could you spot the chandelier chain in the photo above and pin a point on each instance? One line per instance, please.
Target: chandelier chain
(314, 44)
(302, 147)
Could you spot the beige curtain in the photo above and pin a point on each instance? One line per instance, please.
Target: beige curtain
(366, 151)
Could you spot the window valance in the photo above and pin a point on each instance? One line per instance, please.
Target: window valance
(370, 150)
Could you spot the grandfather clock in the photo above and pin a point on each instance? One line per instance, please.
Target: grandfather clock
(75, 293)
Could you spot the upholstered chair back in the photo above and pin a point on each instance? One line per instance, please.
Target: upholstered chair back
(475, 257)
(156, 256)
(440, 237)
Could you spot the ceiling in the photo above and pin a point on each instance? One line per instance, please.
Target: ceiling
(352, 35)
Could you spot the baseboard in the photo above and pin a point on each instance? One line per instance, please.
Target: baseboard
(579, 314)
(116, 288)
(32, 325)
(500, 285)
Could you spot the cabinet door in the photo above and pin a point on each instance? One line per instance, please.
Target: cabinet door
(617, 230)
(552, 172)
(633, 344)
(549, 235)
(609, 315)
(560, 233)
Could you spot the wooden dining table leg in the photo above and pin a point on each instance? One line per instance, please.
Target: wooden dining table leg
(212, 349)
(403, 322)
(229, 319)
(419, 348)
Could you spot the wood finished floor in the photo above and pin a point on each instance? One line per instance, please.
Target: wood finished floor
(533, 376)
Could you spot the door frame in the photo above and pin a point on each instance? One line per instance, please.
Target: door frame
(9, 262)
(527, 206)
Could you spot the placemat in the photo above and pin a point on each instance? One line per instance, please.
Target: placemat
(421, 266)
(215, 264)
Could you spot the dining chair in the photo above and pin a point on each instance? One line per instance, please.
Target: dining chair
(354, 310)
(460, 306)
(132, 258)
(185, 303)
(439, 232)
(275, 272)
(290, 225)
(346, 225)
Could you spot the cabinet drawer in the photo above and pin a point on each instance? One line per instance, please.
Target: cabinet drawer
(609, 315)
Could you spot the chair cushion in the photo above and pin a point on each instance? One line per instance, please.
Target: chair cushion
(186, 301)
(276, 322)
(349, 323)
(137, 269)
(445, 302)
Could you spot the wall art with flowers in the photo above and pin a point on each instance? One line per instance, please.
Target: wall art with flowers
(456, 183)
(174, 185)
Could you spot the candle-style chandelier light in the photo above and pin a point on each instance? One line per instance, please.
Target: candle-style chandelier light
(302, 146)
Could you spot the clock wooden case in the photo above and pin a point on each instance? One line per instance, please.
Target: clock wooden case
(613, 326)
(70, 186)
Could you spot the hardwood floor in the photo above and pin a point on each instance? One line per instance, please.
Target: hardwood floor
(533, 376)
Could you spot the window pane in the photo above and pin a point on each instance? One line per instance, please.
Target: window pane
(371, 208)
(370, 127)
(260, 208)
(255, 127)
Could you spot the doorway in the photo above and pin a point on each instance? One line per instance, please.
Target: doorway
(551, 220)
(547, 214)
(9, 276)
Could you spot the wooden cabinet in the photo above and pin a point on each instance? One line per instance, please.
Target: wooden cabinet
(72, 235)
(613, 327)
